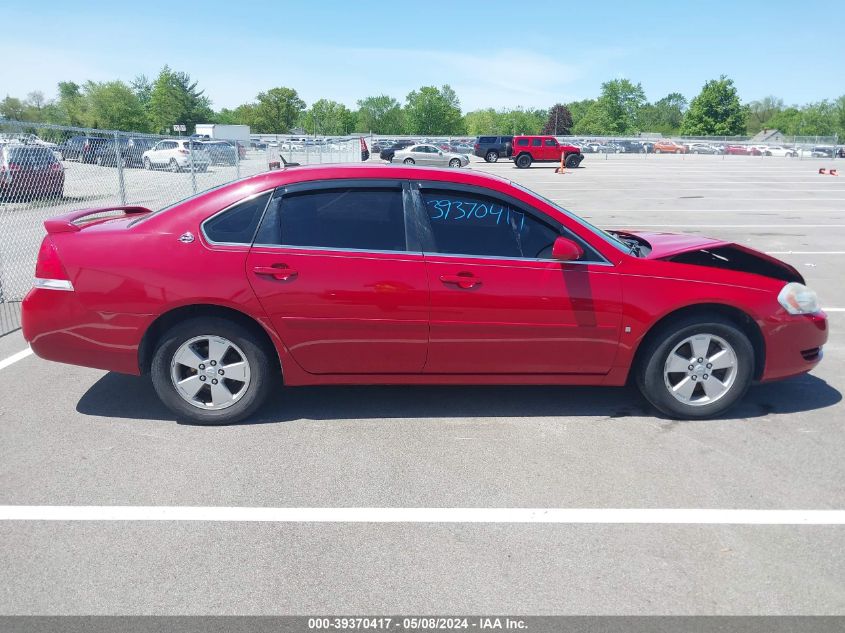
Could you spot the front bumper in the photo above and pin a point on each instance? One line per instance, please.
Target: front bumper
(793, 344)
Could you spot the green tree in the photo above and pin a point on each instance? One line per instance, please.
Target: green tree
(788, 121)
(578, 109)
(430, 110)
(174, 98)
(818, 119)
(380, 114)
(143, 89)
(327, 117)
(481, 122)
(277, 110)
(664, 116)
(616, 111)
(71, 105)
(112, 105)
(559, 121)
(522, 121)
(12, 108)
(715, 111)
(760, 113)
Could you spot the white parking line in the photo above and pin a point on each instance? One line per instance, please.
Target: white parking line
(805, 252)
(678, 516)
(14, 358)
(741, 226)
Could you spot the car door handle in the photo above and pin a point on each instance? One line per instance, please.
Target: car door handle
(277, 271)
(462, 280)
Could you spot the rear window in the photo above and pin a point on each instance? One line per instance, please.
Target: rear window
(31, 156)
(238, 224)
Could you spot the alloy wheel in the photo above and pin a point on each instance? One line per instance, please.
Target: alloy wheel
(210, 372)
(700, 370)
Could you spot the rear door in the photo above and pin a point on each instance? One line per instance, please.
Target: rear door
(551, 149)
(341, 279)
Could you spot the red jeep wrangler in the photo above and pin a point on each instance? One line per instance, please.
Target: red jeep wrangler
(543, 149)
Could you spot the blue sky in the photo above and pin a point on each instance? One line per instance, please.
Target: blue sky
(493, 53)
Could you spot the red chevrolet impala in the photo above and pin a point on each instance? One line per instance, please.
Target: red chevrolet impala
(382, 274)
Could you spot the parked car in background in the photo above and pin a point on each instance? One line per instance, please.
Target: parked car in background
(777, 150)
(543, 149)
(129, 152)
(176, 155)
(309, 273)
(703, 148)
(81, 148)
(629, 147)
(737, 150)
(29, 171)
(492, 148)
(220, 152)
(388, 152)
(669, 147)
(429, 156)
(841, 152)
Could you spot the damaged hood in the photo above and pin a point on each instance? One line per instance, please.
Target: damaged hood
(667, 244)
(696, 250)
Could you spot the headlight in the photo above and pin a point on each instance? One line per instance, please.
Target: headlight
(798, 299)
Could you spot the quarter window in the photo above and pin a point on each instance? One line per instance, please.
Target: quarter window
(237, 225)
(360, 218)
(465, 223)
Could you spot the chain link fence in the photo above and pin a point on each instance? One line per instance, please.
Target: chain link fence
(48, 170)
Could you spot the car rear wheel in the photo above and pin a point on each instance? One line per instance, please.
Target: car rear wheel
(523, 161)
(677, 151)
(408, 161)
(455, 162)
(174, 166)
(210, 370)
(657, 151)
(492, 156)
(696, 368)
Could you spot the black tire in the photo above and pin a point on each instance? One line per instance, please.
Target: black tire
(173, 166)
(657, 151)
(523, 161)
(408, 161)
(148, 165)
(455, 162)
(263, 370)
(492, 156)
(572, 161)
(649, 371)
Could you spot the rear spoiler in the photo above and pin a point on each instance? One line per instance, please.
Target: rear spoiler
(67, 223)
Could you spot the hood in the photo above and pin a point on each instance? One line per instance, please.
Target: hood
(667, 244)
(704, 251)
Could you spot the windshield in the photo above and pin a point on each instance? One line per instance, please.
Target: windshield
(604, 235)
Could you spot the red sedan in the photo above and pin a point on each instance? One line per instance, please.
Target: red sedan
(392, 274)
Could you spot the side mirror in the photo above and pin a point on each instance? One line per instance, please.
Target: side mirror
(566, 250)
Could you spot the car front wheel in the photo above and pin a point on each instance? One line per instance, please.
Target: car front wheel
(408, 161)
(210, 370)
(147, 164)
(492, 156)
(455, 162)
(696, 368)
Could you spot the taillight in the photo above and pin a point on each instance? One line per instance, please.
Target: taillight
(56, 167)
(49, 272)
(475, 147)
(14, 167)
(183, 151)
(86, 145)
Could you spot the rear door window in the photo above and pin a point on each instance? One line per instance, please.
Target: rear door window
(353, 218)
(523, 142)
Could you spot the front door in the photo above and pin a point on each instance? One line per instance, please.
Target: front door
(500, 304)
(332, 269)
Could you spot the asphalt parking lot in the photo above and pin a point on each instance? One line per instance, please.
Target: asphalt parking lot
(82, 437)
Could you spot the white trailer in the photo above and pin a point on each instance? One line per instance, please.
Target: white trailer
(225, 132)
